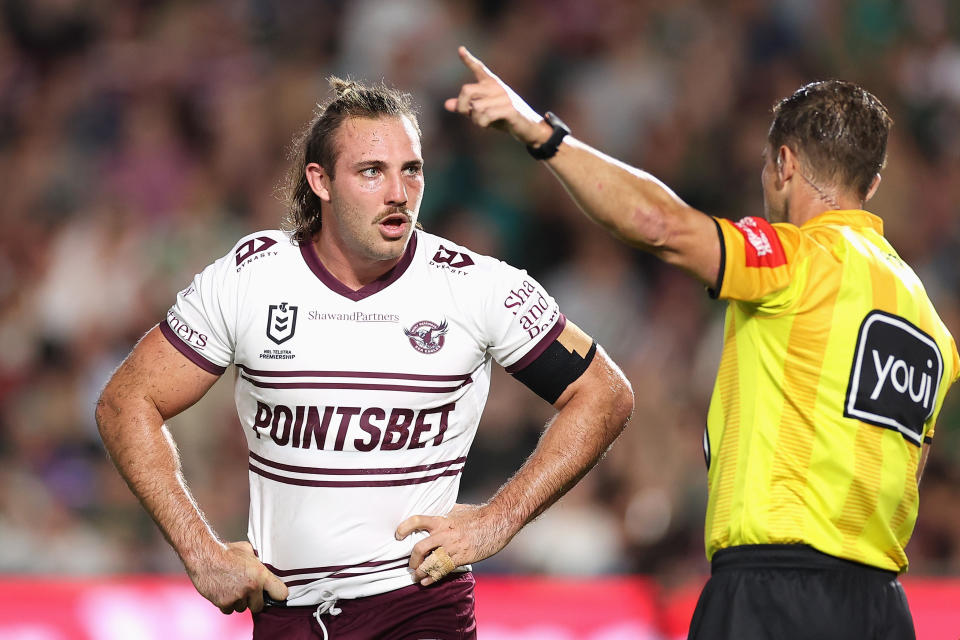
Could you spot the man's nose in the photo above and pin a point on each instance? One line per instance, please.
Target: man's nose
(396, 194)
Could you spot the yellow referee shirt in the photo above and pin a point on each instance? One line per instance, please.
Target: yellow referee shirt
(834, 368)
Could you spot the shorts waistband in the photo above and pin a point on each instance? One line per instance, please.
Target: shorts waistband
(377, 599)
(787, 556)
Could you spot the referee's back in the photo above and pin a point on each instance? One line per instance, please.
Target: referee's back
(834, 369)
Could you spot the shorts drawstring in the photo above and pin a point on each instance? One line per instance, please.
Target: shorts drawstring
(328, 604)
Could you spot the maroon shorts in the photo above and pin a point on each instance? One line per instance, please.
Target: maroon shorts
(442, 611)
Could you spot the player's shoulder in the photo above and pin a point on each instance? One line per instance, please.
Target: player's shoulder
(259, 246)
(455, 260)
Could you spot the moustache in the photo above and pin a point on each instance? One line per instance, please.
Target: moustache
(406, 213)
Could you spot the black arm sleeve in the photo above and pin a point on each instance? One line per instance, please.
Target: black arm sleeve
(554, 369)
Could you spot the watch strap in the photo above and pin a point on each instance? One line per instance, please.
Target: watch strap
(549, 148)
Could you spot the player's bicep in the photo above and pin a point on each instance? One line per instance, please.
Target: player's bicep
(559, 365)
(159, 374)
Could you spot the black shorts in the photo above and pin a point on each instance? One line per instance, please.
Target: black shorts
(794, 592)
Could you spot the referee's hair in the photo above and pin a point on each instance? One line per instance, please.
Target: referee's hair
(316, 143)
(838, 131)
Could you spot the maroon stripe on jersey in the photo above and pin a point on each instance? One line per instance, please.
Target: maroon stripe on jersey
(336, 567)
(353, 574)
(263, 373)
(541, 346)
(355, 472)
(352, 483)
(313, 262)
(188, 351)
(358, 386)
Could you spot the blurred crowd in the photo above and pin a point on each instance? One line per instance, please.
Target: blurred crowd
(139, 140)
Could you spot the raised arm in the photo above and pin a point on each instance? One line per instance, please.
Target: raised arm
(154, 383)
(592, 411)
(632, 204)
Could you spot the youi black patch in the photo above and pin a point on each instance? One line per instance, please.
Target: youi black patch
(895, 375)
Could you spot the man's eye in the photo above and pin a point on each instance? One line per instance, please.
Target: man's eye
(412, 171)
(370, 172)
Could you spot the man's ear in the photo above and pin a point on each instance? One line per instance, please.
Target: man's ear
(786, 163)
(319, 180)
(874, 185)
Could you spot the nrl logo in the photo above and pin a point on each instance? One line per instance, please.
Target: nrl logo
(281, 322)
(427, 337)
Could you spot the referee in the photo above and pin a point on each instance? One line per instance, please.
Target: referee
(834, 366)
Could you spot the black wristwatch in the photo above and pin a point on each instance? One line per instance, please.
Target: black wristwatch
(549, 148)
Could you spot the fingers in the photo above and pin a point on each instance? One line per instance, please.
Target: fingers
(416, 523)
(437, 565)
(487, 111)
(275, 587)
(421, 549)
(236, 606)
(473, 63)
(255, 601)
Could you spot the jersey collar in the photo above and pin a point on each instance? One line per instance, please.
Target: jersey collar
(847, 218)
(313, 261)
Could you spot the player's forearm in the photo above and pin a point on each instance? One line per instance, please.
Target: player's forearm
(145, 455)
(632, 204)
(572, 444)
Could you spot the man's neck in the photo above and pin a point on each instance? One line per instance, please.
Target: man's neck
(810, 206)
(352, 271)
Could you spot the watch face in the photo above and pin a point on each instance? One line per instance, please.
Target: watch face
(556, 122)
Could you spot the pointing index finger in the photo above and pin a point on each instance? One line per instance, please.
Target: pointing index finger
(473, 63)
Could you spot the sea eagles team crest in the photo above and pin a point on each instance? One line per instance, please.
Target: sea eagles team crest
(427, 337)
(281, 322)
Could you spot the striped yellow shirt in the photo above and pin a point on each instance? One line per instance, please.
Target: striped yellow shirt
(834, 368)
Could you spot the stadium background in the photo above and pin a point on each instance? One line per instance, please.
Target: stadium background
(139, 140)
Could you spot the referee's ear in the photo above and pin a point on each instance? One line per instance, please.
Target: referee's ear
(874, 185)
(319, 180)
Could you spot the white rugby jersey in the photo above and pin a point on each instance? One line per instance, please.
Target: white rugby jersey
(359, 407)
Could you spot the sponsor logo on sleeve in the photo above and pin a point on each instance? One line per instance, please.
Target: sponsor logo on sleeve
(187, 333)
(455, 261)
(762, 247)
(281, 322)
(254, 249)
(895, 376)
(426, 336)
(533, 308)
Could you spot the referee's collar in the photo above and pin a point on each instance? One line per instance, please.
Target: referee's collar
(847, 218)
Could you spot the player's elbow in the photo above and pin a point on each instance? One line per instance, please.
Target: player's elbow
(622, 402)
(107, 411)
(614, 395)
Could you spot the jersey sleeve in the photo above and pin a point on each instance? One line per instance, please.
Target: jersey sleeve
(521, 319)
(758, 261)
(200, 324)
